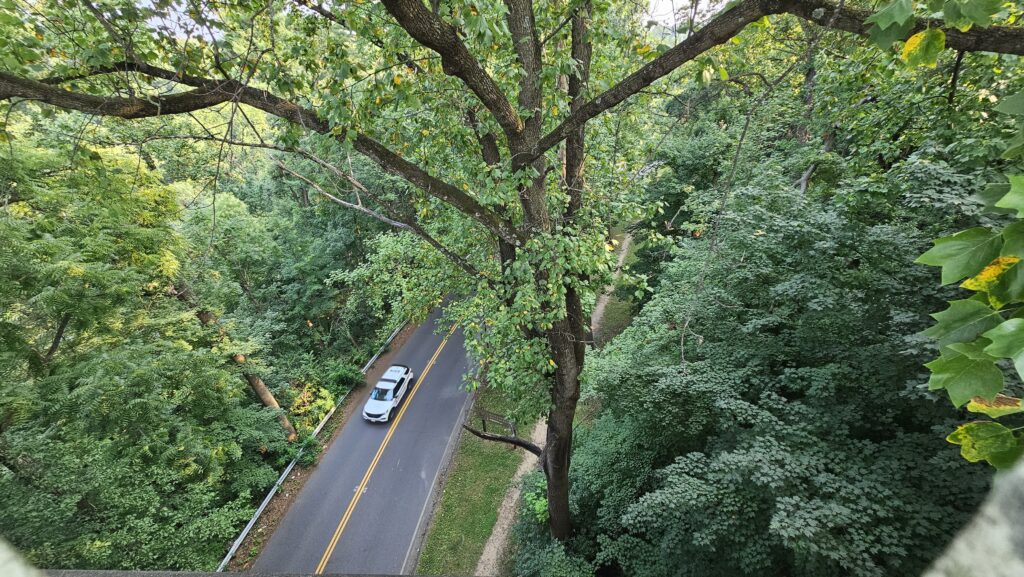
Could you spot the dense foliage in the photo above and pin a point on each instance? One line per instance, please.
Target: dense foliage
(768, 411)
(183, 298)
(128, 437)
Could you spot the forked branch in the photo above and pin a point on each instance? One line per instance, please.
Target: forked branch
(999, 39)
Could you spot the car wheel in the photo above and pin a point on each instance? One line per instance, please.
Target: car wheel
(391, 413)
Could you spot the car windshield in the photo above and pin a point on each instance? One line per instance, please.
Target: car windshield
(379, 394)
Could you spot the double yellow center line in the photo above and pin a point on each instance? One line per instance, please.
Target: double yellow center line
(376, 458)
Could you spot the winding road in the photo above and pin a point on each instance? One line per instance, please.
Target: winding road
(363, 509)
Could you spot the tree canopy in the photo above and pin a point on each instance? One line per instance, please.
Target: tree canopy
(503, 141)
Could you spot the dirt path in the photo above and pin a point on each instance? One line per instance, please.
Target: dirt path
(490, 559)
(602, 299)
(497, 543)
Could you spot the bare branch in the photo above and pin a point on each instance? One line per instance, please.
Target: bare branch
(58, 336)
(358, 207)
(114, 34)
(210, 93)
(412, 226)
(516, 441)
(327, 14)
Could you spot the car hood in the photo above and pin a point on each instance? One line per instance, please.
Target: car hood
(376, 407)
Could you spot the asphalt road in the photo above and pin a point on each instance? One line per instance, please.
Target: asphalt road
(361, 510)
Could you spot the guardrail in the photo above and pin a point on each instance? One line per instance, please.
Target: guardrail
(291, 465)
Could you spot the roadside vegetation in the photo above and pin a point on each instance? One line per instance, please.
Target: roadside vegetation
(155, 318)
(477, 481)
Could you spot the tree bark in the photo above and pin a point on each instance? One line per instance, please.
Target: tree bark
(263, 393)
(266, 397)
(58, 336)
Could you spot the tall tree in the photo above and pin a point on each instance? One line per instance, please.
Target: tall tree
(546, 234)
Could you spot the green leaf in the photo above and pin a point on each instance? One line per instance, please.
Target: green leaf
(998, 407)
(1013, 240)
(923, 48)
(1012, 105)
(884, 37)
(1006, 459)
(974, 351)
(965, 371)
(954, 16)
(1008, 342)
(1015, 146)
(963, 321)
(991, 194)
(896, 12)
(964, 254)
(1015, 197)
(985, 441)
(980, 11)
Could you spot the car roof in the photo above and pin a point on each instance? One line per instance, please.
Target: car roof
(395, 372)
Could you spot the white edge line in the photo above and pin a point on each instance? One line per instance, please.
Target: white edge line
(417, 537)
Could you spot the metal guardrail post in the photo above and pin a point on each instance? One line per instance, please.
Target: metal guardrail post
(291, 465)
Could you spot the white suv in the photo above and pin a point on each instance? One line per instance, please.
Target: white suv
(388, 393)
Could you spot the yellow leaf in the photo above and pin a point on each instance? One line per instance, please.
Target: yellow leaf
(643, 49)
(1001, 406)
(398, 79)
(554, 111)
(912, 43)
(989, 275)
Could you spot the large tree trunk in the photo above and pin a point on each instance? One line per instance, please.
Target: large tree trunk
(263, 393)
(266, 397)
(566, 341)
(567, 338)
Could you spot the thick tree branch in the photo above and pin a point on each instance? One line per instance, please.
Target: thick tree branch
(431, 31)
(575, 143)
(437, 188)
(58, 337)
(516, 441)
(523, 27)
(208, 93)
(1000, 39)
